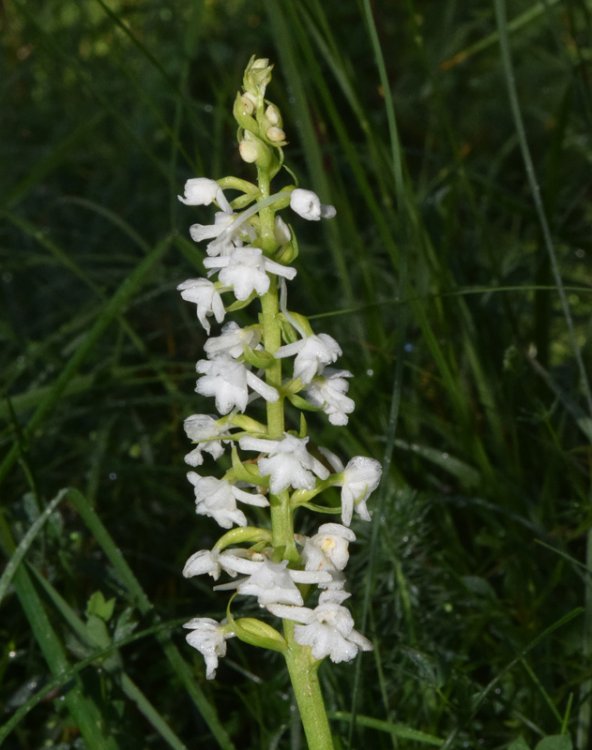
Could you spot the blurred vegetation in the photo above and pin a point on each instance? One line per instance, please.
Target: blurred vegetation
(457, 284)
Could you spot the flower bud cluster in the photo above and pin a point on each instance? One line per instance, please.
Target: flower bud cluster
(272, 469)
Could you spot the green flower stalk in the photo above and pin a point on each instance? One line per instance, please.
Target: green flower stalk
(297, 580)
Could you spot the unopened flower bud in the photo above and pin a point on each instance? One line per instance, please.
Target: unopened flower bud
(276, 135)
(273, 115)
(242, 110)
(249, 151)
(252, 149)
(257, 75)
(248, 102)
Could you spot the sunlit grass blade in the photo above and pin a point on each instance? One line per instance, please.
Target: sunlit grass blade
(523, 19)
(19, 553)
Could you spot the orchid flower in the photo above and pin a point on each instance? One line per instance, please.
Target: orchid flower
(204, 294)
(312, 354)
(209, 638)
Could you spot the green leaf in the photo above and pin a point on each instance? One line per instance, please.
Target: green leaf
(519, 744)
(100, 607)
(397, 730)
(125, 625)
(97, 632)
(555, 742)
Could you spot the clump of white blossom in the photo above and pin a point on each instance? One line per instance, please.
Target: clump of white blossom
(272, 467)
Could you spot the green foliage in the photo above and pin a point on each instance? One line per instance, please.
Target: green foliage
(458, 284)
(552, 742)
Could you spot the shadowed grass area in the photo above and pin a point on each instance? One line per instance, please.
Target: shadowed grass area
(455, 145)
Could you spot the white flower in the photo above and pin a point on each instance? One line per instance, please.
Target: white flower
(227, 381)
(203, 430)
(203, 293)
(328, 629)
(328, 548)
(330, 632)
(245, 271)
(271, 584)
(217, 498)
(288, 463)
(308, 205)
(223, 234)
(328, 391)
(361, 477)
(232, 341)
(209, 638)
(201, 191)
(200, 232)
(212, 563)
(274, 583)
(312, 354)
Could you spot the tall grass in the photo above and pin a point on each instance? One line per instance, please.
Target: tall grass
(454, 142)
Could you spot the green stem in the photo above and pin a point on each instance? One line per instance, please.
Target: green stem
(272, 340)
(302, 667)
(303, 670)
(266, 213)
(282, 527)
